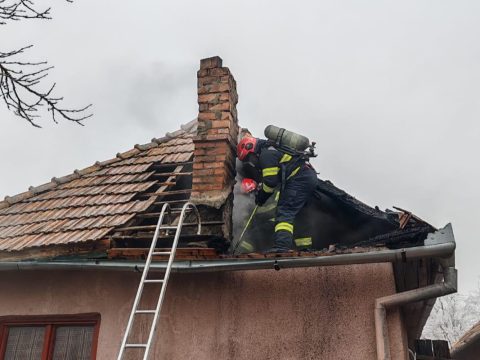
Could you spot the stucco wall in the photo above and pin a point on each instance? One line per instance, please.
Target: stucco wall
(314, 313)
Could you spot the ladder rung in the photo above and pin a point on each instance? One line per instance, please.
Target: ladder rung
(167, 227)
(161, 253)
(150, 281)
(144, 311)
(135, 345)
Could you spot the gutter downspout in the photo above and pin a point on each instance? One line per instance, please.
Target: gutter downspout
(448, 286)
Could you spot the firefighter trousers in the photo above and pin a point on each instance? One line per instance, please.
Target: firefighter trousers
(296, 193)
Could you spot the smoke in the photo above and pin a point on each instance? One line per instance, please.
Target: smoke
(243, 205)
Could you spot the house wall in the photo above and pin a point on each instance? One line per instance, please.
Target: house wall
(304, 313)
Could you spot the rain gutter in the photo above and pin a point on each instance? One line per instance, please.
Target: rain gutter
(437, 248)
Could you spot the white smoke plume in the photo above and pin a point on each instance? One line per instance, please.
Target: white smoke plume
(243, 205)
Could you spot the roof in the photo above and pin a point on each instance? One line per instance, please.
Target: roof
(118, 200)
(468, 345)
(89, 204)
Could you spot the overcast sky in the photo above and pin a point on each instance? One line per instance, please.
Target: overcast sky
(388, 89)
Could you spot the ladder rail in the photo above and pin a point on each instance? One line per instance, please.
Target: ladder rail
(165, 207)
(168, 270)
(160, 226)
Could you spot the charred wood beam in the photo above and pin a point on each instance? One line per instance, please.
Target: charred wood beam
(167, 183)
(172, 174)
(161, 166)
(170, 177)
(165, 193)
(153, 227)
(157, 214)
(161, 188)
(161, 237)
(171, 202)
(181, 253)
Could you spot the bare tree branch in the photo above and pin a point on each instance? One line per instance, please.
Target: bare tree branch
(20, 80)
(14, 10)
(452, 316)
(19, 89)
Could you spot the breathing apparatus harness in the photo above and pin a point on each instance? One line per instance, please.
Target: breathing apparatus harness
(297, 156)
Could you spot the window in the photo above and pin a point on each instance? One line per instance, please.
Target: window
(56, 337)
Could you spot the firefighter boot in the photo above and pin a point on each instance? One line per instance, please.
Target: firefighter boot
(283, 242)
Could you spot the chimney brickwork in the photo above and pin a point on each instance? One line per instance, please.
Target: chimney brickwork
(215, 143)
(216, 139)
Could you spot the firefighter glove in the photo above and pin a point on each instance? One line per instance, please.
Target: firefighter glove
(261, 197)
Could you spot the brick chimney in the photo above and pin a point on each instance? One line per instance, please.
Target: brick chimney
(215, 142)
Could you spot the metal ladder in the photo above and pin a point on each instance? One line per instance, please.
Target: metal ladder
(156, 312)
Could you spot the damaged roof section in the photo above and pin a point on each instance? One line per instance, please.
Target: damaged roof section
(90, 204)
(109, 210)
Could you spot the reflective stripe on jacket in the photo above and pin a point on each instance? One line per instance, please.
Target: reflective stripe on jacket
(272, 162)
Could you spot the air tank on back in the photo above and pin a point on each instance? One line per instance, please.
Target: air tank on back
(286, 138)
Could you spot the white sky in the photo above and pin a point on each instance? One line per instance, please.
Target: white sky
(388, 89)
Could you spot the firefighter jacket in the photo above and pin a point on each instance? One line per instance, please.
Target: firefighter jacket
(276, 167)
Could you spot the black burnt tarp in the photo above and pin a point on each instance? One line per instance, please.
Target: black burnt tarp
(400, 238)
(333, 217)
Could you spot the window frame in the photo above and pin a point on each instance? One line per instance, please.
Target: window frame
(50, 322)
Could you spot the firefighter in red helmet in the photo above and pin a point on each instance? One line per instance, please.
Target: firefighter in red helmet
(293, 174)
(246, 146)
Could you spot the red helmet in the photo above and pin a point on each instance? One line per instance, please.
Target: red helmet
(246, 146)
